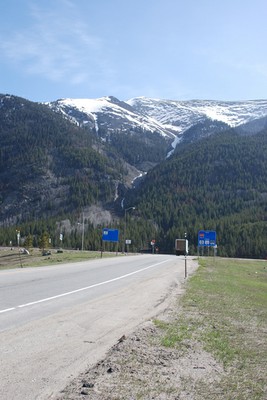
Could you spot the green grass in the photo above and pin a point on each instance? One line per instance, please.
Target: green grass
(10, 259)
(175, 334)
(225, 310)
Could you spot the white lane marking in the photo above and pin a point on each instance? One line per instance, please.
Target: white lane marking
(7, 309)
(84, 288)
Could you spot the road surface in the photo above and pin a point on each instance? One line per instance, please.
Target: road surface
(57, 320)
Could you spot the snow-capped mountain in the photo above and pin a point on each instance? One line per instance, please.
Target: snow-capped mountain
(168, 118)
(181, 115)
(108, 114)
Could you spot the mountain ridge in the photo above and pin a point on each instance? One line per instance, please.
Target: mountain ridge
(169, 118)
(117, 110)
(55, 166)
(229, 112)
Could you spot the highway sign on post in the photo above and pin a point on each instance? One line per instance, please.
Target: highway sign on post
(206, 239)
(110, 235)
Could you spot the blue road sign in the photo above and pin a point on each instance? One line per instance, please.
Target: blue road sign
(110, 235)
(206, 238)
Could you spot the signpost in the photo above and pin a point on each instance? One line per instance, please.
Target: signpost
(127, 242)
(181, 248)
(153, 242)
(207, 239)
(110, 235)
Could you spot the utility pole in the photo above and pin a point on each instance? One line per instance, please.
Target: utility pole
(125, 225)
(185, 258)
(83, 234)
(18, 239)
(82, 231)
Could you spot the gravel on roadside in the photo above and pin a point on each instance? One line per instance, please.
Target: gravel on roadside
(140, 367)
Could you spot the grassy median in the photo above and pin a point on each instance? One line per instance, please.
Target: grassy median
(10, 259)
(224, 310)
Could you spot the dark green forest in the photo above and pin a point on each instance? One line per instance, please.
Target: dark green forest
(46, 160)
(51, 170)
(220, 184)
(137, 146)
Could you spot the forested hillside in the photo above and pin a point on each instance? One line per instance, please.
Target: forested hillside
(219, 183)
(55, 177)
(48, 166)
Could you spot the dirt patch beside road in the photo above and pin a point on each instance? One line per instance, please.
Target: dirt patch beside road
(140, 367)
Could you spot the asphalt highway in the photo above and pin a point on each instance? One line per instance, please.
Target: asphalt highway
(57, 320)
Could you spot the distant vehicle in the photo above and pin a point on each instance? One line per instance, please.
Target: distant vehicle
(181, 247)
(46, 253)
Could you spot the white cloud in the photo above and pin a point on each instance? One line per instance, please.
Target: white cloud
(57, 45)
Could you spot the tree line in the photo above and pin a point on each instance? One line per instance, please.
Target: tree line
(218, 183)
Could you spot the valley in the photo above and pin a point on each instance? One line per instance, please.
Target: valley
(200, 165)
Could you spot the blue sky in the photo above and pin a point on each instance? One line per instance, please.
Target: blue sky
(168, 49)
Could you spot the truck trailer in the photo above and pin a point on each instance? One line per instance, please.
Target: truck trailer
(181, 247)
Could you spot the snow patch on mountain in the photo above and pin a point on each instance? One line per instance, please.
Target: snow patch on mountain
(184, 114)
(110, 113)
(169, 118)
(87, 106)
(176, 141)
